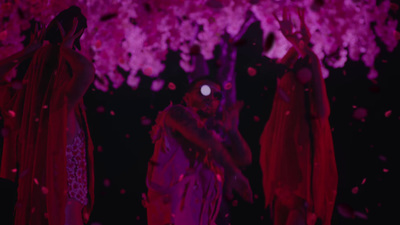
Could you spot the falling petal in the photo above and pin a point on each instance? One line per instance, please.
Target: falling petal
(106, 183)
(171, 86)
(45, 190)
(345, 210)
(227, 85)
(100, 109)
(360, 215)
(219, 178)
(251, 71)
(256, 119)
(181, 177)
(364, 180)
(388, 113)
(382, 158)
(145, 121)
(354, 190)
(11, 113)
(360, 113)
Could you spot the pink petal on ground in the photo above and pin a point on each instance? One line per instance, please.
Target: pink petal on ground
(112, 113)
(385, 170)
(36, 181)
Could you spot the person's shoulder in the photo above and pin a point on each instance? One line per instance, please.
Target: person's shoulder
(178, 113)
(177, 108)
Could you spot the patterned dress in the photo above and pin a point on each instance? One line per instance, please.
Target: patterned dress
(76, 169)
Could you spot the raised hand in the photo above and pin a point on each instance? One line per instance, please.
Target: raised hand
(239, 183)
(305, 32)
(286, 27)
(36, 38)
(69, 38)
(285, 24)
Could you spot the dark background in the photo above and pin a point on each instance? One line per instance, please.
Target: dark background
(363, 149)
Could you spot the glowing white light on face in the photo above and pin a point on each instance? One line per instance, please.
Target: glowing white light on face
(205, 90)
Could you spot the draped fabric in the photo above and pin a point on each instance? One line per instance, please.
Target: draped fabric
(184, 184)
(8, 169)
(41, 120)
(285, 158)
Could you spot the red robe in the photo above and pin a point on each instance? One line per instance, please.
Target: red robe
(40, 125)
(285, 156)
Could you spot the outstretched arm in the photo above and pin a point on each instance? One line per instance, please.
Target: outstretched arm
(82, 68)
(240, 150)
(183, 121)
(318, 93)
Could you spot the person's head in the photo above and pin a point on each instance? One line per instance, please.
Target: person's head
(65, 18)
(204, 96)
